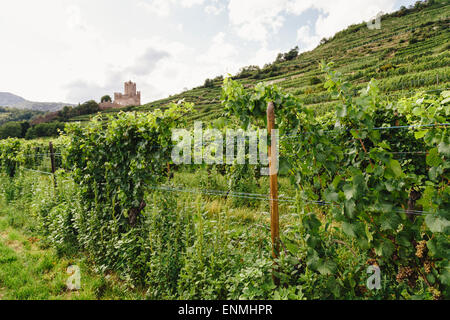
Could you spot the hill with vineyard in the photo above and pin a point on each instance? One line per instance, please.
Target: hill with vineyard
(409, 53)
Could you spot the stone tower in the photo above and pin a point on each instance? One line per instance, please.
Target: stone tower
(130, 97)
(130, 88)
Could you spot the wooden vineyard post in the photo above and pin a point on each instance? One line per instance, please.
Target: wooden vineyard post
(273, 175)
(168, 170)
(52, 160)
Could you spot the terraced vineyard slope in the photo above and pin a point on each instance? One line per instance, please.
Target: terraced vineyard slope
(409, 53)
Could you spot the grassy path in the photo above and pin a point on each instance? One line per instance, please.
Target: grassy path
(28, 271)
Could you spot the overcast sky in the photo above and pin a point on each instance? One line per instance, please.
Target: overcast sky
(76, 50)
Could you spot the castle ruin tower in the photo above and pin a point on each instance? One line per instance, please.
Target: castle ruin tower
(130, 97)
(130, 88)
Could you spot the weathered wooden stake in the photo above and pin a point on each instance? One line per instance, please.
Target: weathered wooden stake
(273, 174)
(52, 160)
(168, 170)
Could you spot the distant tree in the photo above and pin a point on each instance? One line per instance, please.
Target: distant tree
(13, 115)
(247, 72)
(403, 10)
(11, 130)
(280, 57)
(292, 54)
(209, 83)
(88, 107)
(45, 130)
(419, 5)
(65, 113)
(106, 98)
(25, 125)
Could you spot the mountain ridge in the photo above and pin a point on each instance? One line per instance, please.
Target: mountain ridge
(11, 100)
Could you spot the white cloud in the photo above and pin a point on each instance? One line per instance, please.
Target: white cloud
(263, 56)
(257, 20)
(215, 8)
(338, 14)
(163, 8)
(158, 7)
(154, 65)
(191, 3)
(147, 62)
(42, 46)
(219, 49)
(297, 7)
(74, 20)
(220, 58)
(307, 39)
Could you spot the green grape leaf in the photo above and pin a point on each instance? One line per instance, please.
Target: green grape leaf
(313, 260)
(349, 191)
(444, 277)
(391, 221)
(445, 94)
(384, 249)
(439, 246)
(349, 229)
(327, 267)
(444, 148)
(284, 166)
(350, 208)
(436, 223)
(331, 196)
(396, 168)
(433, 158)
(402, 239)
(336, 181)
(420, 134)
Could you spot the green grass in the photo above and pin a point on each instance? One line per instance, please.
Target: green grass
(31, 270)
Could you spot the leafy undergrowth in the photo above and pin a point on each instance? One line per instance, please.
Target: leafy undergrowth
(192, 247)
